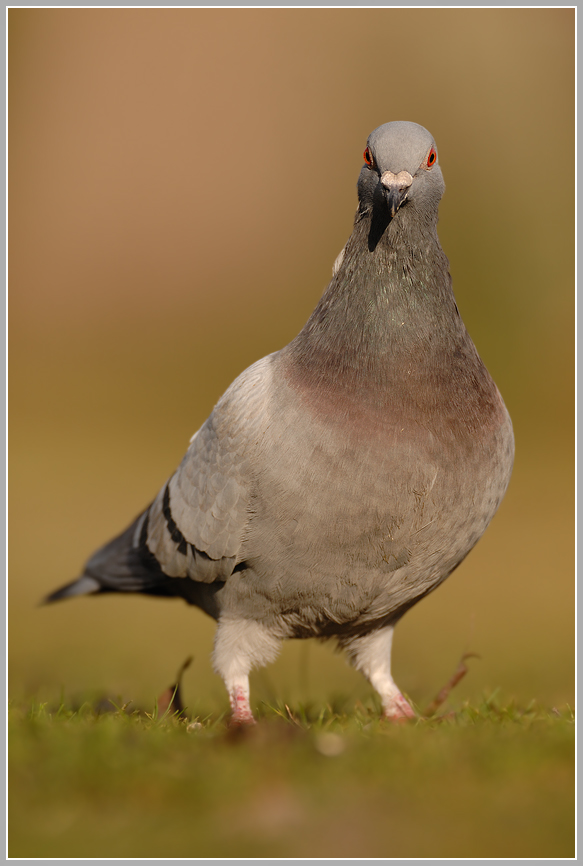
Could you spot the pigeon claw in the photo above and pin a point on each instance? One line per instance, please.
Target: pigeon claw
(399, 710)
(240, 720)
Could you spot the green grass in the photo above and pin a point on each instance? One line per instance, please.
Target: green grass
(494, 780)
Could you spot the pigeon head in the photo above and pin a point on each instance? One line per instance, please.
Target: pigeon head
(401, 170)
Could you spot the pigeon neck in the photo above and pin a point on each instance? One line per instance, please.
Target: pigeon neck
(390, 300)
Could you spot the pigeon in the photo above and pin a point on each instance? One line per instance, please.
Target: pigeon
(339, 480)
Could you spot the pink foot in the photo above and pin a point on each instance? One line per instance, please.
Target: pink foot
(239, 720)
(241, 711)
(399, 710)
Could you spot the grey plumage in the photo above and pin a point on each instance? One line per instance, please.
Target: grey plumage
(340, 480)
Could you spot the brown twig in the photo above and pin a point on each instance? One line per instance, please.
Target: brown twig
(170, 701)
(292, 717)
(442, 696)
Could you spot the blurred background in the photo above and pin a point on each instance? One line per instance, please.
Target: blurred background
(180, 183)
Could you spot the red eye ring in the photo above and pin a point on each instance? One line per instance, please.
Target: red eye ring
(431, 157)
(368, 157)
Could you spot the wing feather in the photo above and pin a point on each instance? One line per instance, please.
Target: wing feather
(197, 523)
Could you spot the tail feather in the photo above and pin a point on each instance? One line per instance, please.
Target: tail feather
(126, 564)
(122, 565)
(82, 586)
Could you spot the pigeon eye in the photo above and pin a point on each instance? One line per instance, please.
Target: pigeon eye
(368, 158)
(432, 158)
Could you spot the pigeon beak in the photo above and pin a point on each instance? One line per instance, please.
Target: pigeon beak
(395, 187)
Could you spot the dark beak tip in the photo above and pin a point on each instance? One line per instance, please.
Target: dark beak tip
(394, 199)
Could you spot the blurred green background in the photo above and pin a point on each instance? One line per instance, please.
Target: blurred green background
(180, 183)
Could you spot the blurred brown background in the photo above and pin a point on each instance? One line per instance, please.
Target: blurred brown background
(180, 182)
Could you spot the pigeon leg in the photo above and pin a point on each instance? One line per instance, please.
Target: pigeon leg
(241, 645)
(238, 689)
(371, 655)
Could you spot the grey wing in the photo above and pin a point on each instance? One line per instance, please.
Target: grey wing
(195, 526)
